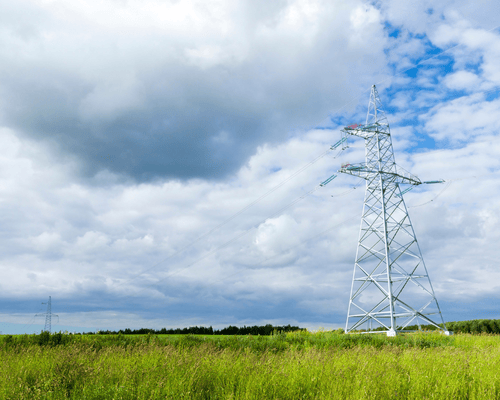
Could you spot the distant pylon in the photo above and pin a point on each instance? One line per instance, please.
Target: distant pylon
(48, 316)
(391, 288)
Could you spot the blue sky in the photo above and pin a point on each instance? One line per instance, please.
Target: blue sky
(143, 141)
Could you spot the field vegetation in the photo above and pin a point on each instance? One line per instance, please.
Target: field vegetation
(293, 365)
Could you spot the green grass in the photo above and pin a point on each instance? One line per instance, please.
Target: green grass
(299, 365)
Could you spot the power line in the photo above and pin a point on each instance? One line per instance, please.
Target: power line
(338, 145)
(29, 323)
(448, 184)
(206, 255)
(435, 197)
(322, 233)
(269, 192)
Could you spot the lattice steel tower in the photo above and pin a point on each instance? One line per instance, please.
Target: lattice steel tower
(391, 288)
(48, 316)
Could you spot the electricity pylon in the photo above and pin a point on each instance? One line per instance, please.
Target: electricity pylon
(391, 288)
(48, 316)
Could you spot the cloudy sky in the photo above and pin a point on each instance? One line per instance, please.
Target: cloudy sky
(159, 159)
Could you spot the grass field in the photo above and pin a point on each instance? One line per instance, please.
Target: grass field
(299, 365)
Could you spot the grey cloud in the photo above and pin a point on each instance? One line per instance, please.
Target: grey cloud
(149, 107)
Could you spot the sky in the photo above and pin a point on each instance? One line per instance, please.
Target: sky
(160, 160)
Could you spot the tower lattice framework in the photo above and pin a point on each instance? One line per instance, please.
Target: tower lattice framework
(391, 288)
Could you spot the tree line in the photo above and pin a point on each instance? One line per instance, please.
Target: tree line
(475, 326)
(264, 330)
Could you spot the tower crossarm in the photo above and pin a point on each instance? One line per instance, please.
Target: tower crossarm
(366, 131)
(365, 171)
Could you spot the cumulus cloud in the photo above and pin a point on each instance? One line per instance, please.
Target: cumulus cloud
(463, 119)
(462, 80)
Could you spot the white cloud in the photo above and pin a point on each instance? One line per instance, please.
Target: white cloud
(463, 118)
(462, 80)
(276, 235)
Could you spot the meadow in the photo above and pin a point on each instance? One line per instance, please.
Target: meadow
(294, 365)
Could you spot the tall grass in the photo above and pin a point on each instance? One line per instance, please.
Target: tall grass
(288, 366)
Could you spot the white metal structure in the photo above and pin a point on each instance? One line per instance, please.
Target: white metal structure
(391, 289)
